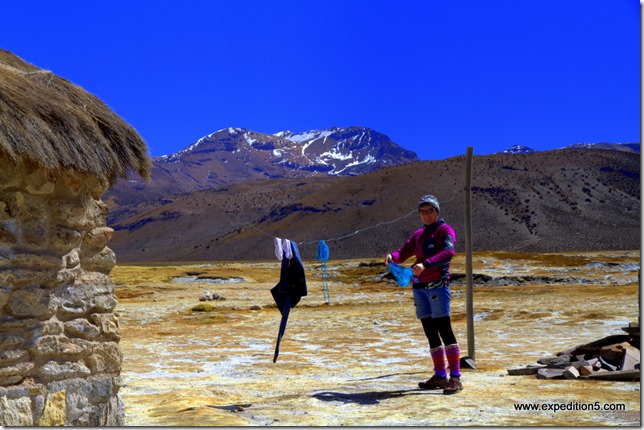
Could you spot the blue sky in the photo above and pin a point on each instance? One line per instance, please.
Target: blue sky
(435, 76)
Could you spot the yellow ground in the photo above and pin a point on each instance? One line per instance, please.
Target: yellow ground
(357, 361)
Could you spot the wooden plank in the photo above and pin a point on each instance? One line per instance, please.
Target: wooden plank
(528, 370)
(618, 375)
(548, 373)
(571, 373)
(631, 358)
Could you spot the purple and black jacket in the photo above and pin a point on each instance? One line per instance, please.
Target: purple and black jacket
(433, 246)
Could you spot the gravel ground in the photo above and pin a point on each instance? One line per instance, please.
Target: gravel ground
(357, 360)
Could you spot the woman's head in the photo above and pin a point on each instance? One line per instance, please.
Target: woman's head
(429, 209)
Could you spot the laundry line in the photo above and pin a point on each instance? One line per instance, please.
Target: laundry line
(333, 239)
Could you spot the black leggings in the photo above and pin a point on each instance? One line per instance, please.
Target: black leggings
(437, 328)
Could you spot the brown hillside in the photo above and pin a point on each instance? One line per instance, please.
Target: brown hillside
(562, 200)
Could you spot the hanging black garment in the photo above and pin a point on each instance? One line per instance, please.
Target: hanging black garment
(289, 290)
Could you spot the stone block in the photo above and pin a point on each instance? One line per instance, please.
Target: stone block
(88, 401)
(38, 182)
(34, 302)
(73, 214)
(4, 211)
(108, 324)
(96, 186)
(37, 263)
(107, 358)
(60, 346)
(80, 327)
(7, 236)
(54, 371)
(16, 371)
(72, 259)
(115, 412)
(11, 340)
(34, 233)
(10, 357)
(72, 184)
(55, 410)
(15, 412)
(5, 293)
(64, 277)
(92, 291)
(102, 262)
(64, 239)
(97, 239)
(9, 175)
(51, 327)
(11, 380)
(25, 277)
(17, 203)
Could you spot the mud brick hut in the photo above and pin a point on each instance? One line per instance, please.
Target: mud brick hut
(60, 150)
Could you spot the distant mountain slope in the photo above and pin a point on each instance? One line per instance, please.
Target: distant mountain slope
(561, 200)
(235, 154)
(624, 147)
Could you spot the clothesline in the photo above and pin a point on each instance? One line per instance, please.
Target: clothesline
(272, 236)
(292, 285)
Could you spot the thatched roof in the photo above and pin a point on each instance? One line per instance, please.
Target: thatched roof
(58, 125)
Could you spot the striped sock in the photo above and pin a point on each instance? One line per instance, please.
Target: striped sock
(453, 353)
(438, 357)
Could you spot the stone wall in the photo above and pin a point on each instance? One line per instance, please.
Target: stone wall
(60, 360)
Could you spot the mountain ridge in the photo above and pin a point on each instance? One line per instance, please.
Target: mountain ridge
(235, 154)
(559, 200)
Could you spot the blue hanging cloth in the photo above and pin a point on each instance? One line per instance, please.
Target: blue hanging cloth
(402, 274)
(323, 256)
(323, 251)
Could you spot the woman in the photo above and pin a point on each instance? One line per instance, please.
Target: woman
(433, 247)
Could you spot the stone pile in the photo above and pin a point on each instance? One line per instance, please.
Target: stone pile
(208, 296)
(614, 357)
(60, 360)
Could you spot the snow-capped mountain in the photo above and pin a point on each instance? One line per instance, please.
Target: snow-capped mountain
(519, 149)
(337, 151)
(235, 154)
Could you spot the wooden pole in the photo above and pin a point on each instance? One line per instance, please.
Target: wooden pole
(469, 301)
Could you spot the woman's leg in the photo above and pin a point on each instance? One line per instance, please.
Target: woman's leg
(431, 331)
(452, 350)
(436, 350)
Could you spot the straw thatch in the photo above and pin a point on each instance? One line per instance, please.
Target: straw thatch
(58, 125)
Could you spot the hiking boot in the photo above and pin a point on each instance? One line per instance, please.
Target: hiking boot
(434, 383)
(453, 386)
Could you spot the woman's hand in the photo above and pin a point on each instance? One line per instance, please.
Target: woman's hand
(388, 259)
(417, 269)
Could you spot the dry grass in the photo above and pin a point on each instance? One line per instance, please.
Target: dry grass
(357, 361)
(58, 125)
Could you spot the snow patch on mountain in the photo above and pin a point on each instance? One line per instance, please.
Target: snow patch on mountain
(304, 136)
(519, 149)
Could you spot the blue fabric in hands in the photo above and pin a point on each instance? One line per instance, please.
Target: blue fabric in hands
(402, 274)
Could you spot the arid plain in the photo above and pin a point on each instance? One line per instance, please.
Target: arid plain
(357, 360)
